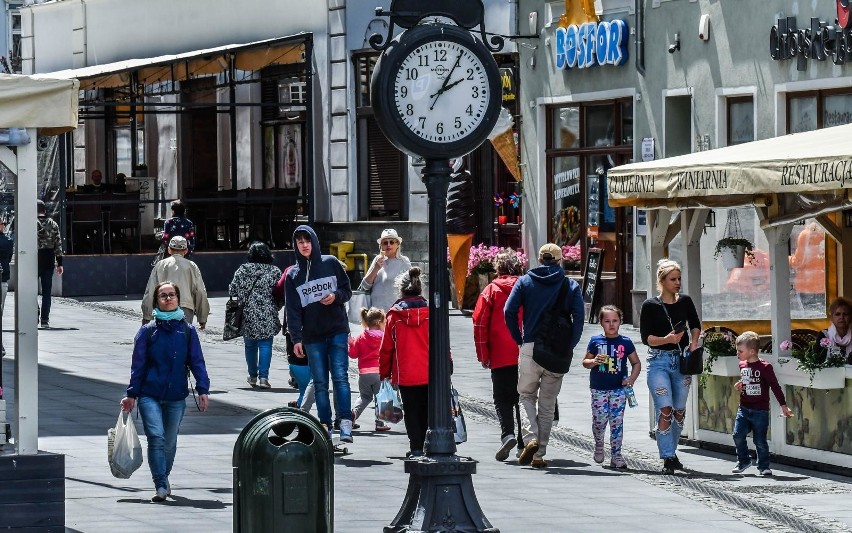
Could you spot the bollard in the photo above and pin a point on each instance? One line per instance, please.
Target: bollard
(283, 474)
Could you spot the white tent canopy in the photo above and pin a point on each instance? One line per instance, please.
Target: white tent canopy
(51, 106)
(45, 103)
(815, 166)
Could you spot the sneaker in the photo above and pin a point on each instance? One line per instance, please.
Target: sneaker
(668, 466)
(739, 469)
(263, 383)
(618, 462)
(161, 495)
(676, 463)
(346, 431)
(506, 445)
(45, 324)
(252, 380)
(293, 404)
(527, 454)
(538, 462)
(292, 382)
(382, 427)
(766, 472)
(599, 452)
(414, 453)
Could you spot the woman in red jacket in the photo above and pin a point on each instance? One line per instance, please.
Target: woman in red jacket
(404, 355)
(496, 349)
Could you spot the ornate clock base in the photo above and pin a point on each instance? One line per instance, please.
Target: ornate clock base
(440, 498)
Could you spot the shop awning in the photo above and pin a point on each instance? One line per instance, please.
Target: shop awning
(44, 103)
(177, 67)
(808, 172)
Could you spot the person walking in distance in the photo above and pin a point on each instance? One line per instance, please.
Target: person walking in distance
(497, 351)
(186, 276)
(49, 259)
(316, 289)
(536, 292)
(365, 348)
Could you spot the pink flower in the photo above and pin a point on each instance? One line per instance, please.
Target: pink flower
(785, 345)
(824, 342)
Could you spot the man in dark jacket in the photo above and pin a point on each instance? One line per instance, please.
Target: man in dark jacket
(316, 290)
(536, 292)
(49, 258)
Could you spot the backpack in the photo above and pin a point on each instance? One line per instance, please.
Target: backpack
(552, 351)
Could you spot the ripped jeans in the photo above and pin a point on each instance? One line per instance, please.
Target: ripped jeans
(668, 389)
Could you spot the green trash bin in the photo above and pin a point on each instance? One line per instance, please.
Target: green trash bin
(283, 474)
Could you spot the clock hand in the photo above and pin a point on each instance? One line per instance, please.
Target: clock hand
(446, 81)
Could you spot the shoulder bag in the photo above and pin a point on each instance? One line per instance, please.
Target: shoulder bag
(691, 363)
(551, 350)
(234, 315)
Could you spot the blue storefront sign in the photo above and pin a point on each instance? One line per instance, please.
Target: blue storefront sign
(591, 44)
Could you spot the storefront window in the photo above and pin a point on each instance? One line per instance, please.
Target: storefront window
(599, 125)
(740, 120)
(803, 114)
(567, 201)
(837, 110)
(566, 127)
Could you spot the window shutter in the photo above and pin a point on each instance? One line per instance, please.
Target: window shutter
(384, 173)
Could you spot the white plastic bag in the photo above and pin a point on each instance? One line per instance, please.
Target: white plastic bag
(388, 403)
(124, 451)
(459, 426)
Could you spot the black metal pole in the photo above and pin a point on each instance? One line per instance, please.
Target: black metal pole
(440, 495)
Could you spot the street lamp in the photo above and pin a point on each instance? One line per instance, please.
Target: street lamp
(436, 94)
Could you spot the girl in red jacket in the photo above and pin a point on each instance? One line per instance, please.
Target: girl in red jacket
(495, 348)
(404, 355)
(365, 348)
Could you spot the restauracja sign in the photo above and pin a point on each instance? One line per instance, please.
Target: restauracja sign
(591, 44)
(820, 42)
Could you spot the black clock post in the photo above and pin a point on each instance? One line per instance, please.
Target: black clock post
(440, 495)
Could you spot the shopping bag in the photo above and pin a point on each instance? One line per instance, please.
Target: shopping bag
(124, 451)
(388, 403)
(233, 319)
(459, 427)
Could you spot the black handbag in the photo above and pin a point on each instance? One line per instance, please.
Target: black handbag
(690, 363)
(551, 350)
(235, 317)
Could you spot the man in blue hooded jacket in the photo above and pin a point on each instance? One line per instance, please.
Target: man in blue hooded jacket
(316, 289)
(536, 292)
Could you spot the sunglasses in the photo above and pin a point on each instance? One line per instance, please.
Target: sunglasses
(167, 296)
(385, 243)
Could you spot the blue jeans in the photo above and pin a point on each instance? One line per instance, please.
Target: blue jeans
(331, 356)
(258, 356)
(161, 420)
(668, 389)
(302, 373)
(46, 277)
(757, 422)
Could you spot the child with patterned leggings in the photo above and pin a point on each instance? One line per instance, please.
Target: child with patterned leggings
(607, 357)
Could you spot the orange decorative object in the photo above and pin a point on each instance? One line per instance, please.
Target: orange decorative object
(808, 261)
(459, 254)
(578, 12)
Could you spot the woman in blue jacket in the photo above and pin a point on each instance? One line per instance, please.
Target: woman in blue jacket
(162, 352)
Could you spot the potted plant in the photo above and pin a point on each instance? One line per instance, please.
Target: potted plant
(813, 360)
(572, 257)
(720, 353)
(733, 248)
(480, 268)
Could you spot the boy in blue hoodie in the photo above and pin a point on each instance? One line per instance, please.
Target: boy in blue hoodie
(316, 290)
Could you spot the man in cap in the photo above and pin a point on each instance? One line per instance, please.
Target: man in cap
(186, 276)
(536, 292)
(49, 257)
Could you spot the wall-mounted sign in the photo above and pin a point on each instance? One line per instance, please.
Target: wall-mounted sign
(507, 80)
(819, 42)
(591, 44)
(648, 149)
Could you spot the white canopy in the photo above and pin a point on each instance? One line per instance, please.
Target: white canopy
(45, 103)
(816, 166)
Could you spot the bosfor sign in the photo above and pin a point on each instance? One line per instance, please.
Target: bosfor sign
(591, 44)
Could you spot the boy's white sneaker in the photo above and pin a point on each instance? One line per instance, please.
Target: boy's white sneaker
(766, 472)
(346, 431)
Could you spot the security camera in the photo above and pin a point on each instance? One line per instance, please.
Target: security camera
(675, 46)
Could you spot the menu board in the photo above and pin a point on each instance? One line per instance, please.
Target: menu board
(591, 282)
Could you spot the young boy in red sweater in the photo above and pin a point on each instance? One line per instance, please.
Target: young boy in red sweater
(753, 414)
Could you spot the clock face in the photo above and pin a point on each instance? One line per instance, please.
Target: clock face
(441, 91)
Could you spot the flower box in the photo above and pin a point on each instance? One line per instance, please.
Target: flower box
(725, 366)
(826, 378)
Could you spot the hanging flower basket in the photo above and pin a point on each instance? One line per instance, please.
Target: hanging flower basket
(733, 248)
(732, 257)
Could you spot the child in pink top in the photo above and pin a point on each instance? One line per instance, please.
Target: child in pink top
(365, 348)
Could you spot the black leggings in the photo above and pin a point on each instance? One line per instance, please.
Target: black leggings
(504, 381)
(415, 401)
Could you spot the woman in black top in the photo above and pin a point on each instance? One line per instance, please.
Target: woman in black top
(663, 323)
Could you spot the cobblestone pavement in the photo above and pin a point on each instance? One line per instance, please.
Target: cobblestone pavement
(84, 365)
